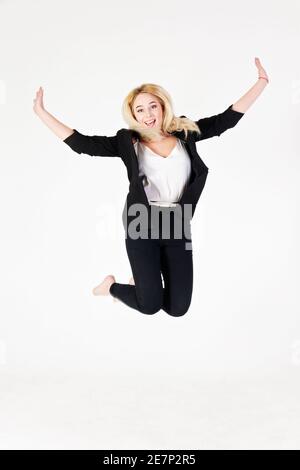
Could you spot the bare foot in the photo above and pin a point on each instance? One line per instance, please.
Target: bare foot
(103, 288)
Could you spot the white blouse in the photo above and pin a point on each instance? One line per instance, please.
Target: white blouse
(165, 178)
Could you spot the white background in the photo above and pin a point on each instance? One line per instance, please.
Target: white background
(79, 371)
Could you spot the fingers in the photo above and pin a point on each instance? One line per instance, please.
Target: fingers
(258, 63)
(38, 100)
(40, 91)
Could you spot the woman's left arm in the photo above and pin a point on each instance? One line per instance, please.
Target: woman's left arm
(248, 98)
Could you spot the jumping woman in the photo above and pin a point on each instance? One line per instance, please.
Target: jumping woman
(167, 176)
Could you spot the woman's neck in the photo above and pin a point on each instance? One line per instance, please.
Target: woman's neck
(162, 139)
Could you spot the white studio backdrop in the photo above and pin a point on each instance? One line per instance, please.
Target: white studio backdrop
(61, 227)
(61, 212)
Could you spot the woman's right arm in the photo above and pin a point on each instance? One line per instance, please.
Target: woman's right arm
(54, 124)
(96, 145)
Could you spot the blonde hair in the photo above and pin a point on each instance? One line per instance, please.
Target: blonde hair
(170, 122)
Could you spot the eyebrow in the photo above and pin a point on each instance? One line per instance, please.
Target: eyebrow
(140, 105)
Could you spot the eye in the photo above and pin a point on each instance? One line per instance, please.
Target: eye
(153, 106)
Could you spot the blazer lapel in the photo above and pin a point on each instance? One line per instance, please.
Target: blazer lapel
(129, 134)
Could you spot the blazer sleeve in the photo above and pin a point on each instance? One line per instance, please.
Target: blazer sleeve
(215, 125)
(94, 145)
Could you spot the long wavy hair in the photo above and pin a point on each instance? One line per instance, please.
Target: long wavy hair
(170, 122)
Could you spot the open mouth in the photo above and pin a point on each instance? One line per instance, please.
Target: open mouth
(150, 123)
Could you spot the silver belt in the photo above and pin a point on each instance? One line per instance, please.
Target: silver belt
(163, 204)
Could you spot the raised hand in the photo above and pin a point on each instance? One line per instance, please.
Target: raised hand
(38, 100)
(261, 71)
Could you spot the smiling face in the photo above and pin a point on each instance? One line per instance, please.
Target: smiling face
(146, 107)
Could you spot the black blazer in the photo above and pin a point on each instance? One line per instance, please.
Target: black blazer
(121, 145)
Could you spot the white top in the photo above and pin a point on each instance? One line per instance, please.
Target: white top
(165, 178)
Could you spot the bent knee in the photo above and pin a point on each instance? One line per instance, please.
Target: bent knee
(150, 309)
(150, 305)
(177, 314)
(178, 311)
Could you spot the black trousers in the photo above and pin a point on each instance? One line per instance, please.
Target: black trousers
(155, 262)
